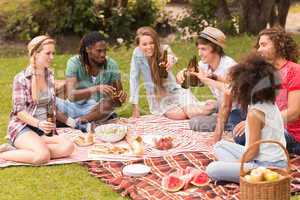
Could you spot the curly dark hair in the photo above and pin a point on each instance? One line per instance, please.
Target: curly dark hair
(285, 45)
(216, 48)
(254, 80)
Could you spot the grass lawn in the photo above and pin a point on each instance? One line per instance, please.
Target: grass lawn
(72, 181)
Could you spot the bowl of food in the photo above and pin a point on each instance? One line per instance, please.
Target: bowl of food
(111, 132)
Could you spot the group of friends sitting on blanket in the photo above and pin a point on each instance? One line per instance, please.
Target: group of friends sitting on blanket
(256, 99)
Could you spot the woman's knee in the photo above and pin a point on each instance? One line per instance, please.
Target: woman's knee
(66, 148)
(220, 145)
(214, 170)
(176, 114)
(41, 157)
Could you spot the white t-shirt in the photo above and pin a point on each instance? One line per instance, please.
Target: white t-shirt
(273, 130)
(225, 64)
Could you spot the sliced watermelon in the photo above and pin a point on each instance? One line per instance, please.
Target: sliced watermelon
(200, 179)
(172, 183)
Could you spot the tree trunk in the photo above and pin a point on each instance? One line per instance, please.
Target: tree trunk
(255, 14)
(280, 12)
(224, 19)
(222, 12)
(283, 8)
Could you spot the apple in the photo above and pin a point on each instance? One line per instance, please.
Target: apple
(257, 175)
(271, 176)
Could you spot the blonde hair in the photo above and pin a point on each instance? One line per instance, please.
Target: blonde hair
(35, 46)
(154, 60)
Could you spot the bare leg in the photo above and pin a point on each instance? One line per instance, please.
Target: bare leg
(58, 146)
(193, 110)
(30, 149)
(100, 112)
(176, 113)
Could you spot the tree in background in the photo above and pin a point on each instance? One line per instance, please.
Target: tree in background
(234, 16)
(255, 15)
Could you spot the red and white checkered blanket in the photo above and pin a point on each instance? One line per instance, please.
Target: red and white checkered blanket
(194, 149)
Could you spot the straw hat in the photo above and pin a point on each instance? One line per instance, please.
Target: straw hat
(214, 35)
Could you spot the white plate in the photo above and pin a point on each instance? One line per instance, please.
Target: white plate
(111, 132)
(136, 170)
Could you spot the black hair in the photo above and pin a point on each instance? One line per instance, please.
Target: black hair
(254, 80)
(88, 40)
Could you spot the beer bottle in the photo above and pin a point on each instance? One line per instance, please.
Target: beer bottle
(186, 82)
(91, 133)
(191, 80)
(162, 65)
(51, 118)
(115, 98)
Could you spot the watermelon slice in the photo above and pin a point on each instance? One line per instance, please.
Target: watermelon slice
(200, 179)
(172, 183)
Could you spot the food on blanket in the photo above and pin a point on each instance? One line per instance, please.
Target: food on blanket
(111, 132)
(172, 183)
(164, 143)
(262, 174)
(136, 144)
(111, 149)
(200, 179)
(83, 140)
(188, 175)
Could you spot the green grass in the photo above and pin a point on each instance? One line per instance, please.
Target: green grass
(72, 181)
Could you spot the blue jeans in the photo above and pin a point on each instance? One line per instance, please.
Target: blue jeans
(227, 168)
(73, 109)
(236, 116)
(291, 144)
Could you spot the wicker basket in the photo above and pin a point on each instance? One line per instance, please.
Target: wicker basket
(276, 190)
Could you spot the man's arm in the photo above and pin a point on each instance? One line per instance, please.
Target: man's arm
(292, 113)
(223, 115)
(74, 94)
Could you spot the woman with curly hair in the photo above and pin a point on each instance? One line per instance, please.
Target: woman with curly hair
(253, 86)
(279, 48)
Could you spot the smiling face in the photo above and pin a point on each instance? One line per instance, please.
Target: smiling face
(97, 53)
(44, 57)
(147, 45)
(266, 48)
(206, 53)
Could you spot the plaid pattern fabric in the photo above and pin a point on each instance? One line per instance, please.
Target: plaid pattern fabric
(149, 187)
(22, 99)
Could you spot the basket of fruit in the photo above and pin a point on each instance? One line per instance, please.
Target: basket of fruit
(265, 183)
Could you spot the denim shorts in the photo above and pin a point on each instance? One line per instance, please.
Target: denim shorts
(26, 129)
(75, 109)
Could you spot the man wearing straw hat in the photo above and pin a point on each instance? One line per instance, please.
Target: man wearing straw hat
(213, 68)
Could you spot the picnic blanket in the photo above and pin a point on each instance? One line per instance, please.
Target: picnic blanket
(149, 187)
(199, 156)
(185, 140)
